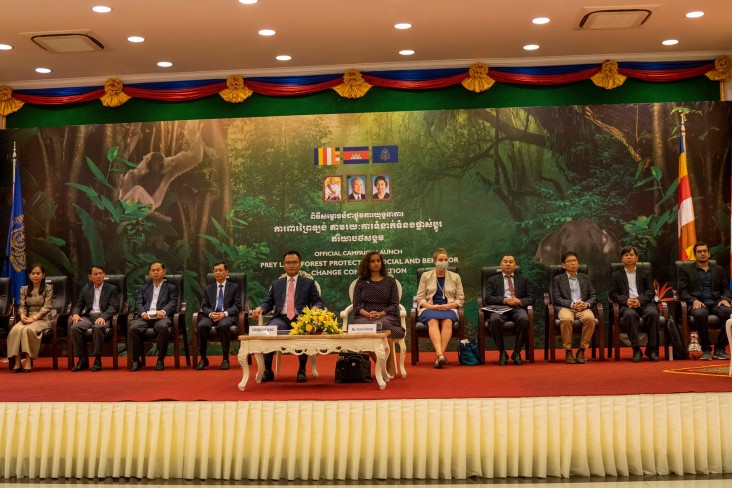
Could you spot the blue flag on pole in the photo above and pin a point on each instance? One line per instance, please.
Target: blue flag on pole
(14, 266)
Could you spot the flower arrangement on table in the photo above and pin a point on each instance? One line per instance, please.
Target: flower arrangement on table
(315, 321)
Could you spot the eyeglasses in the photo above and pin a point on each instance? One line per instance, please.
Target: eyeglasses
(291, 263)
(701, 251)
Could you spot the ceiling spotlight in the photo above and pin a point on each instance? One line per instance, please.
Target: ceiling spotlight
(403, 26)
(5, 47)
(136, 39)
(283, 57)
(531, 47)
(43, 71)
(165, 64)
(695, 14)
(266, 32)
(406, 52)
(670, 42)
(102, 9)
(248, 2)
(540, 20)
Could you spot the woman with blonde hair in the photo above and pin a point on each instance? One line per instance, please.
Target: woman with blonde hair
(439, 296)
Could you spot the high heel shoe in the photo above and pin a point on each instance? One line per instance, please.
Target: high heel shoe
(442, 359)
(28, 362)
(438, 363)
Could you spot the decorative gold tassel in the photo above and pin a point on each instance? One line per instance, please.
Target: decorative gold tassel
(113, 94)
(608, 76)
(353, 85)
(235, 91)
(8, 104)
(478, 79)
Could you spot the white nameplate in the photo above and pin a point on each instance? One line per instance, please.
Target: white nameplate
(361, 328)
(263, 330)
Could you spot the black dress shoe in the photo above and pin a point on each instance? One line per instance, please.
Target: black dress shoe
(637, 356)
(97, 366)
(653, 356)
(201, 364)
(516, 357)
(224, 364)
(81, 365)
(301, 377)
(160, 365)
(135, 366)
(267, 376)
(503, 358)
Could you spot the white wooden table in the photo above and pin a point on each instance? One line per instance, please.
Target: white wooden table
(313, 345)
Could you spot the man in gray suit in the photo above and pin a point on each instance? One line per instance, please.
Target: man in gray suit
(575, 296)
(93, 310)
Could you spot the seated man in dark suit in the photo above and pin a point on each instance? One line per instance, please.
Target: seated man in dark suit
(286, 298)
(97, 303)
(705, 290)
(155, 305)
(509, 289)
(635, 295)
(220, 309)
(574, 296)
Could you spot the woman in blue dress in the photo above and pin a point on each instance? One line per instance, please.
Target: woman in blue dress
(439, 296)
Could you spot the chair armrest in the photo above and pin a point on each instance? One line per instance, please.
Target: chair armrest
(344, 316)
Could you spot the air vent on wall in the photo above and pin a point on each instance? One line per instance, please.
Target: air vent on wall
(67, 43)
(614, 19)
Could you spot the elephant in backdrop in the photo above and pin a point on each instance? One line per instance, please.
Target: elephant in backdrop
(595, 247)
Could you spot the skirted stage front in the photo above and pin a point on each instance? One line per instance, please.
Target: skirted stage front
(454, 436)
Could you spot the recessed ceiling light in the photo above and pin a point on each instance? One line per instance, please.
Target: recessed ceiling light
(283, 57)
(102, 9)
(165, 64)
(406, 52)
(670, 42)
(267, 32)
(248, 2)
(5, 47)
(531, 47)
(695, 14)
(402, 26)
(136, 39)
(44, 71)
(540, 20)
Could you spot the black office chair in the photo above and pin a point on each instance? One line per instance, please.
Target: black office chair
(714, 323)
(509, 328)
(551, 322)
(7, 318)
(59, 315)
(241, 327)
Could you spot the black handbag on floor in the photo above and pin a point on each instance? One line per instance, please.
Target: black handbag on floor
(468, 353)
(353, 368)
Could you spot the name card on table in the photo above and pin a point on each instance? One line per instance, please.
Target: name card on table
(362, 328)
(263, 330)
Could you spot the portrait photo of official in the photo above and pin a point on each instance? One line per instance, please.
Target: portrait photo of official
(332, 189)
(381, 187)
(356, 188)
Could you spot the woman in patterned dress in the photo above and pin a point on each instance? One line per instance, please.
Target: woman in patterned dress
(36, 301)
(376, 300)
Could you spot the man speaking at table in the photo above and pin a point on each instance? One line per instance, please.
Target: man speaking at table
(286, 299)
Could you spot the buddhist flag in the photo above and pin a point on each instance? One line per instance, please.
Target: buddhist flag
(327, 156)
(356, 155)
(687, 226)
(14, 266)
(385, 154)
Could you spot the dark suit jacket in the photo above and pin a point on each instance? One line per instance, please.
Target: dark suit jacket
(167, 299)
(690, 286)
(352, 196)
(563, 294)
(232, 299)
(620, 290)
(108, 301)
(495, 292)
(306, 295)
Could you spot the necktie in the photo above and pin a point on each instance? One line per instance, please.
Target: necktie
(220, 299)
(511, 290)
(291, 299)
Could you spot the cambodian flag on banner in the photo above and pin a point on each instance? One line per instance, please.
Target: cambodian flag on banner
(14, 266)
(385, 154)
(687, 224)
(356, 155)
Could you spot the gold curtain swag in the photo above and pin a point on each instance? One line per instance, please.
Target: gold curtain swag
(478, 79)
(721, 71)
(113, 94)
(353, 85)
(236, 91)
(8, 104)
(608, 77)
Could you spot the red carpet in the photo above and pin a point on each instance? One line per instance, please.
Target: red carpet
(423, 381)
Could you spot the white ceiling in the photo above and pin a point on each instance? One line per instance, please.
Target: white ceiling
(216, 38)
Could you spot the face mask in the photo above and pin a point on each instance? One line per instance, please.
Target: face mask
(442, 265)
